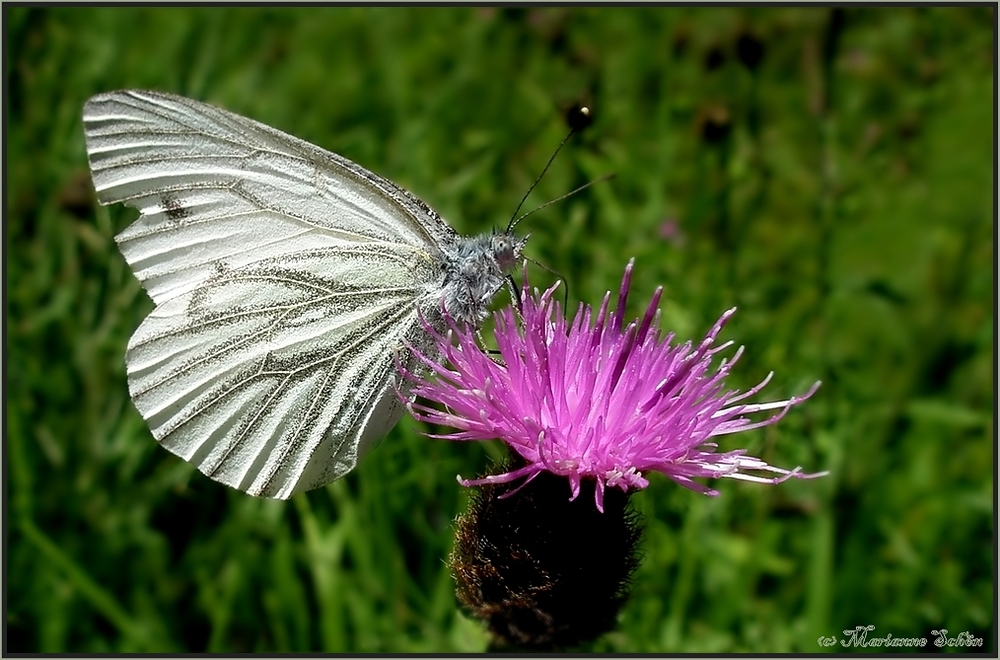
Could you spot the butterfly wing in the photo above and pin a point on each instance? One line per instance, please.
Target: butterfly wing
(285, 277)
(216, 187)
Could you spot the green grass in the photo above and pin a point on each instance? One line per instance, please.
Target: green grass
(842, 198)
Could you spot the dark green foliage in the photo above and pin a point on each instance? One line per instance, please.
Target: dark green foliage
(835, 183)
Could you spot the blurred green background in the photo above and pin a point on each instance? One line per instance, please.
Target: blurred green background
(828, 171)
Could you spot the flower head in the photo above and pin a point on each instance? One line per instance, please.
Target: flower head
(594, 398)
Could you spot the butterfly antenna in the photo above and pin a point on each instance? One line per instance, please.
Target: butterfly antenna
(583, 113)
(560, 198)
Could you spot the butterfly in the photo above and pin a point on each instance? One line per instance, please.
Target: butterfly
(287, 281)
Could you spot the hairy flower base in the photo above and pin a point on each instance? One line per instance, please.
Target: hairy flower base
(594, 398)
(544, 573)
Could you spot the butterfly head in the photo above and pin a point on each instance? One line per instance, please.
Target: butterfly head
(507, 249)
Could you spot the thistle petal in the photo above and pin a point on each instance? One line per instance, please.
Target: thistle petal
(595, 398)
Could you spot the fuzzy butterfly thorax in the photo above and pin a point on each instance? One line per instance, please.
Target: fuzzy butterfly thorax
(475, 269)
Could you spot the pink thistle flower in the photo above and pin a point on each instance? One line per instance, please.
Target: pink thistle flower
(596, 400)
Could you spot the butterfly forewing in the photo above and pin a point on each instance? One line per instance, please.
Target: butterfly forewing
(286, 281)
(213, 186)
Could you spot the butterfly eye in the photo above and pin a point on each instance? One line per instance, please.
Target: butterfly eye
(502, 250)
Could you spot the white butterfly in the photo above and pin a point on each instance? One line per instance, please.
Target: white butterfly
(286, 281)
